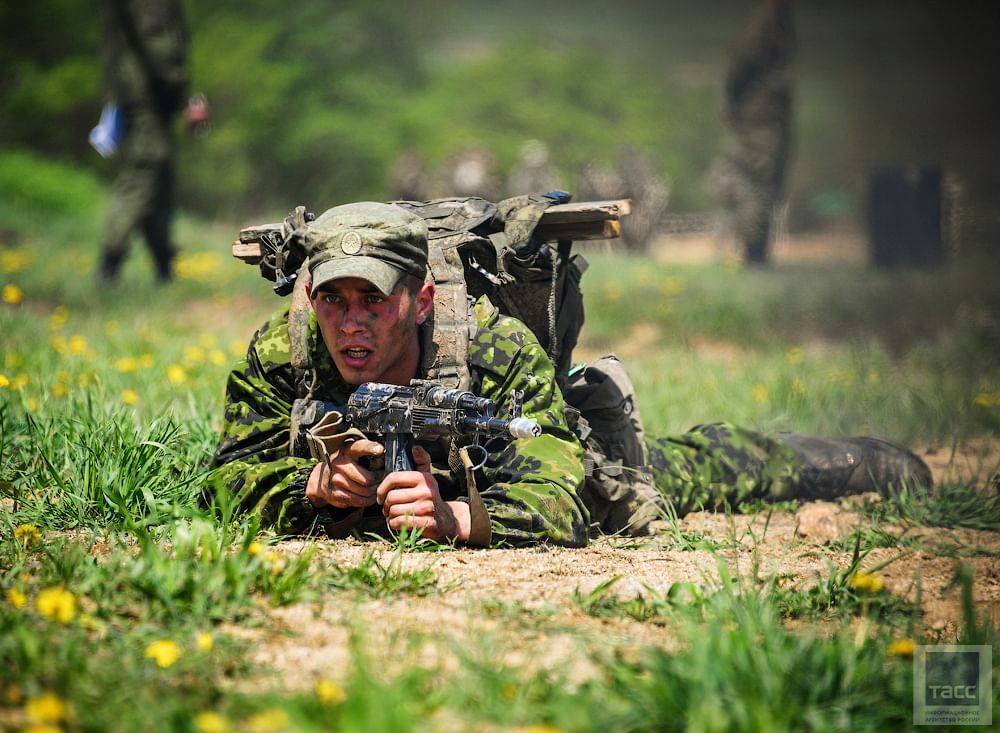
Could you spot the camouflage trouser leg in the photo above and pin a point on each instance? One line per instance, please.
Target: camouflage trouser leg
(712, 466)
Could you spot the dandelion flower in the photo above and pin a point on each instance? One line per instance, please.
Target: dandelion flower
(901, 648)
(17, 598)
(12, 295)
(46, 708)
(867, 582)
(164, 652)
(275, 561)
(988, 399)
(146, 361)
(271, 720)
(204, 641)
(126, 365)
(4, 381)
(176, 374)
(27, 533)
(793, 355)
(42, 728)
(59, 317)
(760, 393)
(77, 344)
(873, 377)
(209, 721)
(59, 389)
(194, 354)
(56, 604)
(217, 357)
(31, 404)
(254, 548)
(20, 381)
(237, 348)
(798, 388)
(130, 396)
(330, 692)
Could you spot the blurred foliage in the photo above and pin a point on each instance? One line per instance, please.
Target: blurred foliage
(312, 103)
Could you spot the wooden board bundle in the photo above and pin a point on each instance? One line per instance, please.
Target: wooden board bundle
(575, 222)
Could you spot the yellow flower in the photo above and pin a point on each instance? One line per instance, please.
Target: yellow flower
(17, 598)
(798, 388)
(176, 374)
(275, 561)
(59, 389)
(760, 393)
(509, 692)
(207, 341)
(4, 381)
(793, 355)
(540, 728)
(209, 721)
(13, 260)
(237, 347)
(27, 533)
(12, 295)
(56, 604)
(901, 648)
(254, 548)
(164, 652)
(204, 641)
(31, 404)
(126, 365)
(988, 399)
(146, 361)
(20, 381)
(194, 354)
(671, 287)
(77, 344)
(130, 396)
(111, 328)
(217, 357)
(59, 317)
(873, 377)
(867, 582)
(271, 720)
(330, 692)
(46, 708)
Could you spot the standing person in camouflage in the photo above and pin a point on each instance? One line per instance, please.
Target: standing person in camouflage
(748, 176)
(371, 309)
(145, 52)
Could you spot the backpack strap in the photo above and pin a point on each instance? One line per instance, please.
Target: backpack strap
(446, 348)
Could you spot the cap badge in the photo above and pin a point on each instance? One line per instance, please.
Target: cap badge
(350, 243)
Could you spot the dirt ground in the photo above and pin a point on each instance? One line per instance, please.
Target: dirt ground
(517, 605)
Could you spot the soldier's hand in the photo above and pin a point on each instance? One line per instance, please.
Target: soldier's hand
(411, 499)
(342, 481)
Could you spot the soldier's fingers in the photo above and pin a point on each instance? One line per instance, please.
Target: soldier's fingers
(342, 482)
(340, 498)
(410, 521)
(344, 466)
(360, 448)
(422, 508)
(422, 458)
(403, 495)
(402, 480)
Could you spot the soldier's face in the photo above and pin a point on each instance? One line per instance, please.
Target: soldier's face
(372, 337)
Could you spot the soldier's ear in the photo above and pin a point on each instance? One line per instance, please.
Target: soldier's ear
(309, 293)
(425, 301)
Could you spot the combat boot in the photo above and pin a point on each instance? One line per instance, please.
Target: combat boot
(832, 468)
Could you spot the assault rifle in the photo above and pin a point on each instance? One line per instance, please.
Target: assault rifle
(426, 410)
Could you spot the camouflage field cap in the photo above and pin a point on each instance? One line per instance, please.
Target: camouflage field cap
(377, 242)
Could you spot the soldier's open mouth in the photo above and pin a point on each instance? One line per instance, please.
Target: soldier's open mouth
(357, 353)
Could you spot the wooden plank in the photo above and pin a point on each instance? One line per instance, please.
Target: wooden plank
(249, 252)
(579, 231)
(586, 211)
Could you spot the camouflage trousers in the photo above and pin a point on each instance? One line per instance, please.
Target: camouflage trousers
(718, 465)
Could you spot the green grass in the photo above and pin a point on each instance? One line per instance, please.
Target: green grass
(109, 406)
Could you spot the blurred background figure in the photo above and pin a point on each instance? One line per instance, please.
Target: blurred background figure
(634, 177)
(470, 172)
(533, 171)
(145, 71)
(408, 178)
(748, 176)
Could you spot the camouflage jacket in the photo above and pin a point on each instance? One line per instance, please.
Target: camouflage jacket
(529, 487)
